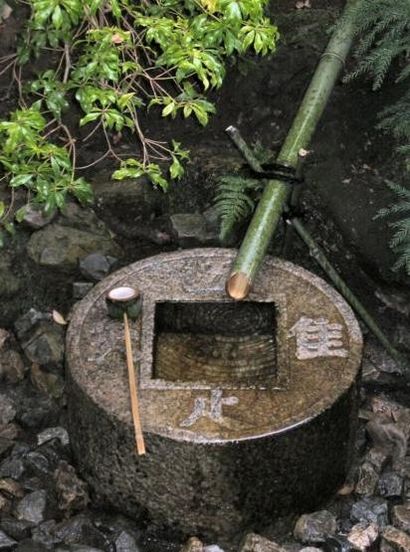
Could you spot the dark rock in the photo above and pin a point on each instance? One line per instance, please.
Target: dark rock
(126, 543)
(5, 504)
(315, 528)
(77, 548)
(31, 546)
(363, 535)
(337, 544)
(370, 510)
(367, 480)
(7, 410)
(390, 484)
(377, 458)
(256, 543)
(12, 467)
(47, 382)
(10, 283)
(96, 266)
(6, 542)
(37, 464)
(38, 411)
(28, 321)
(45, 345)
(17, 529)
(35, 218)
(44, 534)
(80, 530)
(401, 517)
(5, 446)
(193, 545)
(61, 247)
(11, 363)
(51, 433)
(32, 507)
(394, 540)
(80, 289)
(72, 492)
(11, 488)
(189, 229)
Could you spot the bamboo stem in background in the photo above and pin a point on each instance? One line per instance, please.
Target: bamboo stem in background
(318, 254)
(132, 379)
(275, 195)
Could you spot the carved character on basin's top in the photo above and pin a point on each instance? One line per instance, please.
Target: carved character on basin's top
(209, 408)
(317, 337)
(210, 277)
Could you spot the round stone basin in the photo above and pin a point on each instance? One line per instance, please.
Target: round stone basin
(248, 409)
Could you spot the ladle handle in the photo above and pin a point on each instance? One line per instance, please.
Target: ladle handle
(132, 378)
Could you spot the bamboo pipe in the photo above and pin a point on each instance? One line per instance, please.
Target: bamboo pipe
(276, 192)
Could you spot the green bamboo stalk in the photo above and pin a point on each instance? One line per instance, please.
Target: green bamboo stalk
(276, 192)
(317, 253)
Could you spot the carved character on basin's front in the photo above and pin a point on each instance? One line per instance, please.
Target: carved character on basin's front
(317, 337)
(209, 408)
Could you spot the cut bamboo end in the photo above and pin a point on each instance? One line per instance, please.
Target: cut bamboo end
(238, 286)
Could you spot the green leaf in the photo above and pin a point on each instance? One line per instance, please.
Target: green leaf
(20, 213)
(2, 208)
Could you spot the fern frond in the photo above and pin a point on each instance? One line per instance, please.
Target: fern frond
(234, 202)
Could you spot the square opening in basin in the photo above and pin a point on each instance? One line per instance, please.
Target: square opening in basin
(215, 342)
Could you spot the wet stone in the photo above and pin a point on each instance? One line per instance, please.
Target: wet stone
(6, 542)
(32, 507)
(5, 504)
(44, 533)
(51, 433)
(11, 488)
(316, 527)
(390, 484)
(401, 517)
(36, 411)
(37, 464)
(377, 458)
(96, 266)
(5, 446)
(363, 535)
(256, 543)
(80, 530)
(367, 480)
(394, 540)
(371, 510)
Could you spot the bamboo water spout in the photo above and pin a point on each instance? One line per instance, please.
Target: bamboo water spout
(276, 192)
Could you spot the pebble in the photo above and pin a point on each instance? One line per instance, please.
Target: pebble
(367, 480)
(12, 467)
(19, 529)
(53, 433)
(394, 540)
(213, 548)
(97, 266)
(337, 544)
(310, 549)
(315, 528)
(7, 410)
(363, 535)
(256, 543)
(401, 517)
(125, 543)
(371, 510)
(390, 484)
(193, 545)
(72, 492)
(32, 507)
(35, 218)
(6, 542)
(80, 289)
